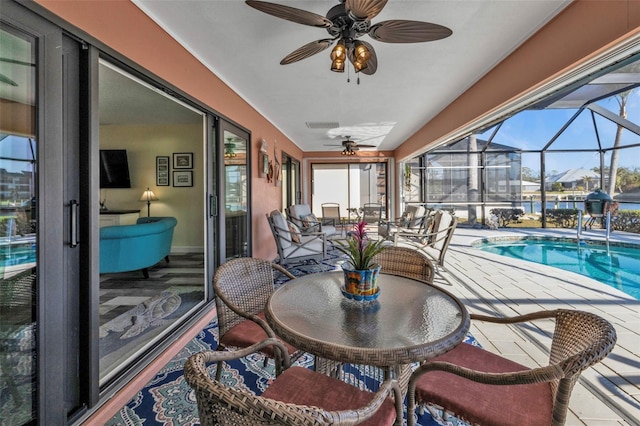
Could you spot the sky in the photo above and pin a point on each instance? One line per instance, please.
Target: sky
(532, 130)
(15, 147)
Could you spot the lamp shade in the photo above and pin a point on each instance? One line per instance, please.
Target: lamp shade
(148, 195)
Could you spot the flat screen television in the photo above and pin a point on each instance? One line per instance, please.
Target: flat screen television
(114, 169)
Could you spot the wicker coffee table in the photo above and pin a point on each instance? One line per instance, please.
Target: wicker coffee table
(410, 322)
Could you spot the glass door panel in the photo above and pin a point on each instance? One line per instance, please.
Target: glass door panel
(236, 197)
(350, 185)
(152, 161)
(18, 220)
(290, 181)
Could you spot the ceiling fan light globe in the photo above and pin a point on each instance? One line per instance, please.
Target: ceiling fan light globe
(359, 66)
(360, 52)
(339, 53)
(337, 66)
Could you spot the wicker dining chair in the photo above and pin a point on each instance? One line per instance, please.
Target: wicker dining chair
(242, 287)
(405, 262)
(298, 396)
(484, 388)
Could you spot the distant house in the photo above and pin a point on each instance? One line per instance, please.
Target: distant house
(528, 186)
(573, 178)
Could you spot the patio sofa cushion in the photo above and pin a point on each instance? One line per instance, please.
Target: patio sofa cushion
(301, 215)
(311, 245)
(507, 404)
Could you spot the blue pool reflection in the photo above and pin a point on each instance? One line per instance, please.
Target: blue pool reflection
(615, 265)
(17, 254)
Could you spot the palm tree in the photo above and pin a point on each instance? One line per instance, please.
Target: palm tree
(615, 153)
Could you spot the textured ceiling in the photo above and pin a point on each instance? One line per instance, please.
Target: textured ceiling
(315, 107)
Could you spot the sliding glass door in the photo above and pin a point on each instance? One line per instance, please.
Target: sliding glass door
(42, 320)
(18, 226)
(92, 151)
(350, 185)
(152, 182)
(234, 213)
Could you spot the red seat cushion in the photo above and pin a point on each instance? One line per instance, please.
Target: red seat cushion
(485, 404)
(248, 333)
(298, 385)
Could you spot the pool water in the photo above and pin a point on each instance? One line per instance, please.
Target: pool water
(17, 254)
(616, 265)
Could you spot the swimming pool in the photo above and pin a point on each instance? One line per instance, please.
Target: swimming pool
(617, 265)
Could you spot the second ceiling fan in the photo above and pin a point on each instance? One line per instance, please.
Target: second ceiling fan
(350, 146)
(346, 23)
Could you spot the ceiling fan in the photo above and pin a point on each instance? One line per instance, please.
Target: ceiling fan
(350, 146)
(346, 23)
(231, 147)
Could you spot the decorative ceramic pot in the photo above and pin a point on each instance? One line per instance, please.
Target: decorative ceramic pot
(361, 284)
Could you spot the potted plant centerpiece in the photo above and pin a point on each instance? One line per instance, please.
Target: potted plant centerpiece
(360, 272)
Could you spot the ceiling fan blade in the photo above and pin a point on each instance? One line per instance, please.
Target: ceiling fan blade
(365, 146)
(307, 50)
(372, 63)
(290, 13)
(364, 9)
(7, 80)
(403, 31)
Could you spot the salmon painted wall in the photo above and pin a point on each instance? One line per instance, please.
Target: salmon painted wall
(580, 31)
(127, 30)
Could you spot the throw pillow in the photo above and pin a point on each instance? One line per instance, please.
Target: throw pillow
(309, 221)
(295, 231)
(406, 217)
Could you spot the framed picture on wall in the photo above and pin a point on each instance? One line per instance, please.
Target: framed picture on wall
(183, 160)
(162, 171)
(183, 178)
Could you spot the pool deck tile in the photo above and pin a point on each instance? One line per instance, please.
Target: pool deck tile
(608, 393)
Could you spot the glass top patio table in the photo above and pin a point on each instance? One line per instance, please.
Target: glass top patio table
(410, 321)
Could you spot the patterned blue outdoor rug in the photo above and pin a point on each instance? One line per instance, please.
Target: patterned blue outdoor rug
(168, 399)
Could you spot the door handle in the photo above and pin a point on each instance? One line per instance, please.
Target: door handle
(213, 206)
(74, 223)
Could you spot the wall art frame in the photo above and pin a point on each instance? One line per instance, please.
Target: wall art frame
(183, 160)
(162, 171)
(182, 178)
